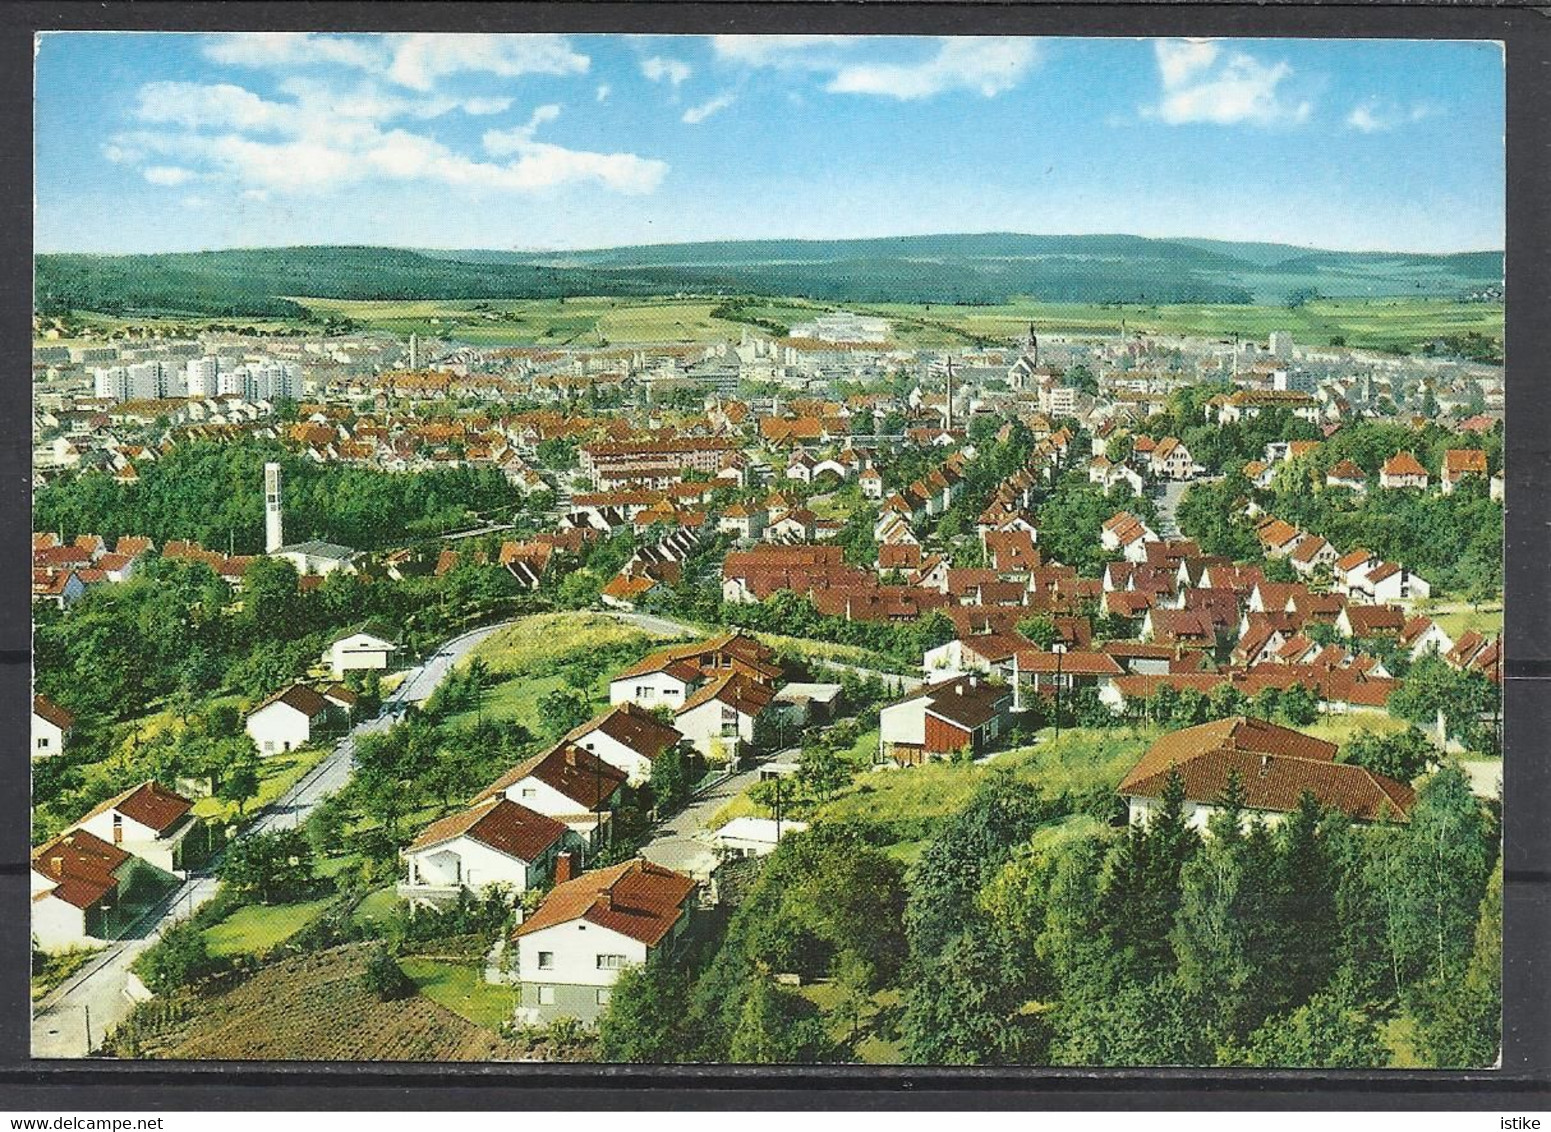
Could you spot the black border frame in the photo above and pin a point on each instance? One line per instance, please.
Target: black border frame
(1525, 1077)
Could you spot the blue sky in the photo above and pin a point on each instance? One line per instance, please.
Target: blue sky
(153, 142)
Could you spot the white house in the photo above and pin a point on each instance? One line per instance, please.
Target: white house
(288, 719)
(719, 718)
(368, 647)
(149, 821)
(78, 881)
(568, 783)
(628, 738)
(568, 954)
(1388, 582)
(496, 841)
(51, 726)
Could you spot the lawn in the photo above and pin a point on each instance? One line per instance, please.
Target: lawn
(537, 644)
(1340, 729)
(1458, 619)
(376, 907)
(257, 928)
(461, 988)
(859, 1032)
(277, 774)
(58, 967)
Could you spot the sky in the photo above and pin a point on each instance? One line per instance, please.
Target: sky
(154, 142)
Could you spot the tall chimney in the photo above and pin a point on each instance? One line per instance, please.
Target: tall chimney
(565, 867)
(274, 533)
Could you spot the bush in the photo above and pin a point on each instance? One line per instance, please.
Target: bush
(384, 977)
(178, 959)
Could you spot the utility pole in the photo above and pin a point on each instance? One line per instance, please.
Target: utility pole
(88, 1010)
(1059, 648)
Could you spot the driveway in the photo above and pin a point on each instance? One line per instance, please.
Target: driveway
(78, 1013)
(674, 843)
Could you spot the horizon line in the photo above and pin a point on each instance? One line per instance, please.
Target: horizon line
(576, 250)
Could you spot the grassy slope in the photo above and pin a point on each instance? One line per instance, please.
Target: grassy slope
(461, 988)
(256, 928)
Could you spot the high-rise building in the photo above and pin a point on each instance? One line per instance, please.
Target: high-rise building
(414, 351)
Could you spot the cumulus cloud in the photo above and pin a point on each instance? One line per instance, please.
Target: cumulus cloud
(1204, 83)
(697, 114)
(415, 60)
(325, 139)
(988, 66)
(660, 68)
(167, 175)
(1375, 116)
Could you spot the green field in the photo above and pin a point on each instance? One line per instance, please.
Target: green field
(256, 928)
(1378, 324)
(461, 988)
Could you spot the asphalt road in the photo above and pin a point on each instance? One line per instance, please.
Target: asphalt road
(79, 1012)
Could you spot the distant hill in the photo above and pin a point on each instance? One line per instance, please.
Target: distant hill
(983, 268)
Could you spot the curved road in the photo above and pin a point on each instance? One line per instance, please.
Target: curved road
(99, 991)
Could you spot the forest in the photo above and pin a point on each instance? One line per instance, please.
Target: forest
(1031, 932)
(213, 493)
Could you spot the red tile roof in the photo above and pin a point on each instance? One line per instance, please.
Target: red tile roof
(501, 825)
(636, 898)
(80, 865)
(568, 768)
(150, 804)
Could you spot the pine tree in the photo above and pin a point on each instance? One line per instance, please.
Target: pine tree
(1305, 905)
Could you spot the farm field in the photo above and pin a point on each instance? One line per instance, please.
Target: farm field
(314, 1007)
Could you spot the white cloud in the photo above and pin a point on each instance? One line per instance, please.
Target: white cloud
(422, 58)
(327, 139)
(660, 68)
(1375, 116)
(1203, 83)
(292, 49)
(603, 92)
(697, 114)
(790, 52)
(415, 60)
(167, 174)
(986, 65)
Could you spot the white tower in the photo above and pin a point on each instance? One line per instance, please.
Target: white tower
(274, 535)
(414, 351)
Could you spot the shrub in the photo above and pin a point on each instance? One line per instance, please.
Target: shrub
(385, 978)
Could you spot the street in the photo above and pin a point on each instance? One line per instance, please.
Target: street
(95, 996)
(674, 844)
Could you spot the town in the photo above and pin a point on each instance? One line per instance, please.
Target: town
(752, 699)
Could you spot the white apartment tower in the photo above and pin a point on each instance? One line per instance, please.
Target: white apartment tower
(274, 533)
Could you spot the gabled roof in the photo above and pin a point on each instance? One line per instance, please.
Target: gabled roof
(1275, 765)
(80, 865)
(636, 899)
(298, 696)
(1403, 464)
(1464, 461)
(747, 695)
(568, 768)
(968, 702)
(150, 804)
(633, 726)
(1367, 620)
(499, 824)
(45, 708)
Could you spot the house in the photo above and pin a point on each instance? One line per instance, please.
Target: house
(1171, 460)
(51, 727)
(369, 647)
(568, 954)
(1311, 552)
(1274, 766)
(871, 481)
(568, 783)
(288, 719)
(669, 675)
(1348, 475)
(1402, 470)
(495, 841)
(1389, 582)
(149, 821)
(1368, 621)
(1277, 538)
(745, 521)
(753, 837)
(805, 703)
(76, 883)
(1421, 635)
(628, 738)
(943, 719)
(1459, 463)
(1039, 671)
(719, 719)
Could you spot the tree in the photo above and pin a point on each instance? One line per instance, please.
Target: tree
(562, 710)
(821, 770)
(670, 781)
(1298, 706)
(239, 782)
(1040, 629)
(1401, 755)
(271, 868)
(178, 959)
(964, 1006)
(384, 978)
(1462, 1028)
(779, 1027)
(1326, 1032)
